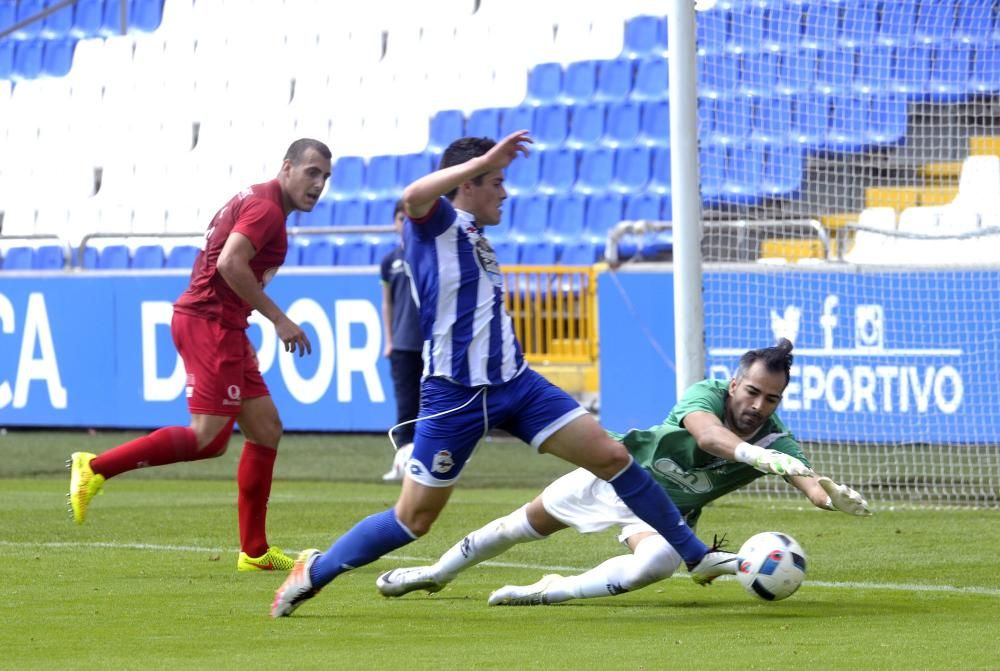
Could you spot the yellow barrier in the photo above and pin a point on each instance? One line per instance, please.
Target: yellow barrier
(554, 310)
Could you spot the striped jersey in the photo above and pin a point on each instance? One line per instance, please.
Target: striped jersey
(458, 288)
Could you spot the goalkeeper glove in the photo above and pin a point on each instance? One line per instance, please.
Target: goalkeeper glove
(844, 499)
(771, 461)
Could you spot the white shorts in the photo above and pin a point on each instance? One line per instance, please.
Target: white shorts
(583, 501)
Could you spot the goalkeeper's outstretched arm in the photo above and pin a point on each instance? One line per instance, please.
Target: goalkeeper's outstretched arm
(824, 493)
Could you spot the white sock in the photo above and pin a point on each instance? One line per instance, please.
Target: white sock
(485, 543)
(653, 560)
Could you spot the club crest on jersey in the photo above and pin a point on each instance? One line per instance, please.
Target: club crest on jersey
(488, 260)
(442, 462)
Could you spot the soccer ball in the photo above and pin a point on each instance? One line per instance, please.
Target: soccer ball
(772, 565)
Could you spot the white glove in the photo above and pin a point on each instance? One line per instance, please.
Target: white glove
(771, 461)
(844, 499)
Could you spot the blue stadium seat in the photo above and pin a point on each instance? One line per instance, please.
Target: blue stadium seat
(544, 84)
(586, 125)
(614, 80)
(148, 257)
(603, 212)
(483, 123)
(656, 244)
(182, 256)
(380, 211)
(523, 173)
(652, 80)
(659, 175)
(771, 119)
(985, 76)
(114, 257)
(19, 258)
(642, 206)
(513, 119)
(321, 214)
(538, 252)
(899, 18)
(350, 212)
(348, 178)
(111, 18)
(886, 119)
(748, 27)
(558, 170)
(87, 16)
(848, 130)
(88, 260)
(645, 36)
(530, 214)
(579, 82)
(508, 251)
(632, 169)
(913, 66)
(57, 24)
(712, 30)
(319, 252)
(354, 251)
(7, 59)
(414, 166)
(873, 68)
(712, 166)
(974, 22)
(382, 176)
(578, 253)
(782, 28)
(732, 119)
(567, 215)
(820, 23)
(935, 21)
(293, 257)
(145, 15)
(796, 72)
(57, 56)
(758, 73)
(783, 170)
(654, 123)
(743, 171)
(834, 71)
(445, 127)
(28, 58)
(859, 23)
(622, 125)
(550, 126)
(50, 257)
(595, 170)
(382, 245)
(8, 13)
(25, 10)
(951, 71)
(810, 120)
(718, 75)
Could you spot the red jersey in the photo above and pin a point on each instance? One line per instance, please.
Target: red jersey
(258, 214)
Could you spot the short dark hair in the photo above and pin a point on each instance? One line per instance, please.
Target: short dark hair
(297, 150)
(399, 208)
(462, 150)
(777, 359)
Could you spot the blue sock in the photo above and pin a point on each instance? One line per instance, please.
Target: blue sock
(367, 540)
(640, 492)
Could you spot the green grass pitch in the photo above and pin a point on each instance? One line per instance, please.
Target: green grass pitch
(150, 582)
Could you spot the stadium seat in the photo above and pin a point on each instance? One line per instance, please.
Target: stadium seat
(7, 59)
(783, 170)
(293, 257)
(446, 126)
(614, 80)
(834, 71)
(748, 27)
(744, 165)
(873, 68)
(974, 21)
(579, 82)
(642, 206)
(507, 251)
(810, 120)
(523, 173)
(8, 13)
(348, 178)
(148, 257)
(483, 123)
(712, 30)
(718, 75)
(382, 176)
(654, 124)
(88, 259)
(935, 21)
(28, 59)
(114, 257)
(550, 126)
(415, 166)
(19, 258)
(645, 36)
(712, 166)
(622, 124)
(985, 76)
(567, 215)
(659, 176)
(758, 73)
(782, 30)
(771, 119)
(350, 212)
(530, 214)
(796, 72)
(731, 120)
(819, 28)
(886, 119)
(578, 253)
(913, 66)
(656, 244)
(595, 170)
(513, 119)
(380, 211)
(57, 24)
(544, 84)
(848, 130)
(382, 245)
(25, 10)
(182, 256)
(951, 72)
(557, 171)
(319, 252)
(652, 80)
(145, 15)
(87, 15)
(603, 212)
(57, 56)
(859, 23)
(632, 169)
(50, 257)
(586, 125)
(354, 251)
(111, 18)
(898, 20)
(537, 252)
(321, 214)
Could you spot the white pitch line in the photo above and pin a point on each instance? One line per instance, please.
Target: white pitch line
(888, 586)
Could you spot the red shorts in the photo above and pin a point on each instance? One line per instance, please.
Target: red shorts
(220, 363)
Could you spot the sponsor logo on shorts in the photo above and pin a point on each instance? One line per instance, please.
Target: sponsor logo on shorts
(234, 392)
(442, 462)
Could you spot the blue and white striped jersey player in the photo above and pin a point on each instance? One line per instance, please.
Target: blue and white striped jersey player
(694, 455)
(476, 379)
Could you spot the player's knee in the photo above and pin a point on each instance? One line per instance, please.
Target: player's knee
(609, 459)
(418, 523)
(215, 446)
(654, 560)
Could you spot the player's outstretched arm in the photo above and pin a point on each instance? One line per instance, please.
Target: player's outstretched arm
(713, 437)
(826, 494)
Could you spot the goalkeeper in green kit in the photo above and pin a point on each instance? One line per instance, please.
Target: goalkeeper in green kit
(719, 437)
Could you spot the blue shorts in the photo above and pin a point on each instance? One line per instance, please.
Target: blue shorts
(454, 418)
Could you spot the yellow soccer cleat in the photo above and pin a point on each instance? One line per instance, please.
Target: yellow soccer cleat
(84, 484)
(272, 560)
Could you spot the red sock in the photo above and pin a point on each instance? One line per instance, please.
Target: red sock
(163, 446)
(254, 480)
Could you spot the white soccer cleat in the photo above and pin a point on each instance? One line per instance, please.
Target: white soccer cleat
(400, 581)
(297, 586)
(395, 473)
(524, 595)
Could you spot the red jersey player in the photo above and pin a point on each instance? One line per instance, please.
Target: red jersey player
(245, 244)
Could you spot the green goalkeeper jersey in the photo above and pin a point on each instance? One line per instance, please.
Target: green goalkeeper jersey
(690, 476)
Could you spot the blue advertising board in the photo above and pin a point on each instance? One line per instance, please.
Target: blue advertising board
(95, 350)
